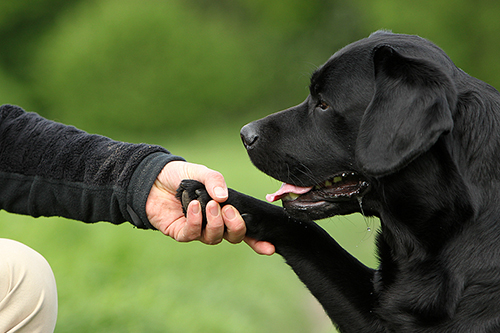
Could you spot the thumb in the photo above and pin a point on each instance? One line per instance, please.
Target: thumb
(216, 186)
(213, 180)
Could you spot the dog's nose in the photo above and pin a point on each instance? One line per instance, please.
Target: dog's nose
(249, 135)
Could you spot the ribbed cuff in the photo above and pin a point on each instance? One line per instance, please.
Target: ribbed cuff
(140, 185)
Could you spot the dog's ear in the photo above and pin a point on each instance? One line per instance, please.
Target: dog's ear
(410, 109)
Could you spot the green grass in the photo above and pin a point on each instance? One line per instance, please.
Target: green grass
(120, 279)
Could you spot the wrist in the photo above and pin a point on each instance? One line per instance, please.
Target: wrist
(140, 186)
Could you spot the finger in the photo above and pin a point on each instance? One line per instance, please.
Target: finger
(235, 225)
(192, 229)
(214, 231)
(214, 183)
(261, 247)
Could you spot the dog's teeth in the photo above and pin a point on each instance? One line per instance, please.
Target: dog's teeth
(328, 183)
(293, 196)
(317, 187)
(337, 179)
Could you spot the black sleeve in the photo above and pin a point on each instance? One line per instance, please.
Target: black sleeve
(50, 169)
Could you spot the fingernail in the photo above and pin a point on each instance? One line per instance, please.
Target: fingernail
(196, 207)
(230, 213)
(214, 210)
(220, 192)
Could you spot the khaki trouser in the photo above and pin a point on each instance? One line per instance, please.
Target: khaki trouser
(28, 295)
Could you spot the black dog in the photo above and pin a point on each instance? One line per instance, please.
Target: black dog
(389, 119)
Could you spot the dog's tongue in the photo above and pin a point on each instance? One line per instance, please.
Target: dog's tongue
(285, 189)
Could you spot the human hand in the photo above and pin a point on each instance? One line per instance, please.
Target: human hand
(165, 213)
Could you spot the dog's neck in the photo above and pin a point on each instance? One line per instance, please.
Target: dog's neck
(429, 216)
(423, 204)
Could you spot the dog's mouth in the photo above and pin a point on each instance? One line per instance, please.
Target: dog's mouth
(320, 199)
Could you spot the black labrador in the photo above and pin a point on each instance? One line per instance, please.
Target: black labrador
(392, 121)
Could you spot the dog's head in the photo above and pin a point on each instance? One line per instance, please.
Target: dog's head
(373, 108)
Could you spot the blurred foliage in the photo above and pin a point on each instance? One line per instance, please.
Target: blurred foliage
(22, 23)
(159, 66)
(138, 67)
(130, 66)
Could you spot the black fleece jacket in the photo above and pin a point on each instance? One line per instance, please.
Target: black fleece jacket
(50, 169)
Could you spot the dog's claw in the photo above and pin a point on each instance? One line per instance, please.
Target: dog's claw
(185, 200)
(247, 218)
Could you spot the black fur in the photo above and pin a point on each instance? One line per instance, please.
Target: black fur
(419, 141)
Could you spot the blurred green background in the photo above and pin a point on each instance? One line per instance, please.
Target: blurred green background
(187, 74)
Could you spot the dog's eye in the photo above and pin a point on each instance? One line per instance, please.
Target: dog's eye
(323, 105)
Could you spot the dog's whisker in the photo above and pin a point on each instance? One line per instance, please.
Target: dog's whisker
(308, 173)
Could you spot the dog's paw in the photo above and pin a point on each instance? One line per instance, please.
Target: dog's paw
(260, 218)
(190, 190)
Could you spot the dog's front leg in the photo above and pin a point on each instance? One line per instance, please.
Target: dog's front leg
(341, 283)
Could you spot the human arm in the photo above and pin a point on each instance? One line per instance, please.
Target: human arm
(51, 169)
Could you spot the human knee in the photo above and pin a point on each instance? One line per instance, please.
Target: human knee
(28, 294)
